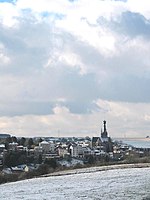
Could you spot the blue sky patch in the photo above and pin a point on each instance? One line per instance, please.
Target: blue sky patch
(55, 15)
(9, 1)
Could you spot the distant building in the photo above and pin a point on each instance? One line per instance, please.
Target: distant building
(52, 147)
(45, 146)
(102, 143)
(13, 146)
(62, 151)
(76, 151)
(96, 141)
(2, 147)
(104, 134)
(87, 151)
(106, 140)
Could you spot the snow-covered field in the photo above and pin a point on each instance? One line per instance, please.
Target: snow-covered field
(117, 184)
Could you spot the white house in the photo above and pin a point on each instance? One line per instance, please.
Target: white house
(76, 150)
(45, 146)
(52, 146)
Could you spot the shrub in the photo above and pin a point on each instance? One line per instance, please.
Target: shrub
(4, 178)
(51, 162)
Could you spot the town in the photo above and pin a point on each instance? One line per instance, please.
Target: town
(28, 157)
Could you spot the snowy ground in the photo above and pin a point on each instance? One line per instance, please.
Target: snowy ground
(116, 184)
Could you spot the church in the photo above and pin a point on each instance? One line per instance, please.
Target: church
(104, 140)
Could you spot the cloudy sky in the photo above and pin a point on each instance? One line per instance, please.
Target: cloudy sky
(66, 65)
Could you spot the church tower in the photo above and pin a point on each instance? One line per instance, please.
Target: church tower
(104, 134)
(106, 140)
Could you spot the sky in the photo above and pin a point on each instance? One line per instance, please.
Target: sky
(67, 65)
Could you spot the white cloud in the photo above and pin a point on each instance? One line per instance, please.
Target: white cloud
(80, 55)
(101, 39)
(60, 110)
(141, 7)
(8, 14)
(122, 119)
(115, 109)
(4, 59)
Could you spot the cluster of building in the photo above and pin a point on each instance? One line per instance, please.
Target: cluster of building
(81, 148)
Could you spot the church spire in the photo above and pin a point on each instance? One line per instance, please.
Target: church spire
(104, 134)
(104, 126)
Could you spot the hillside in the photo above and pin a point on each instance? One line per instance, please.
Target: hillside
(116, 184)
